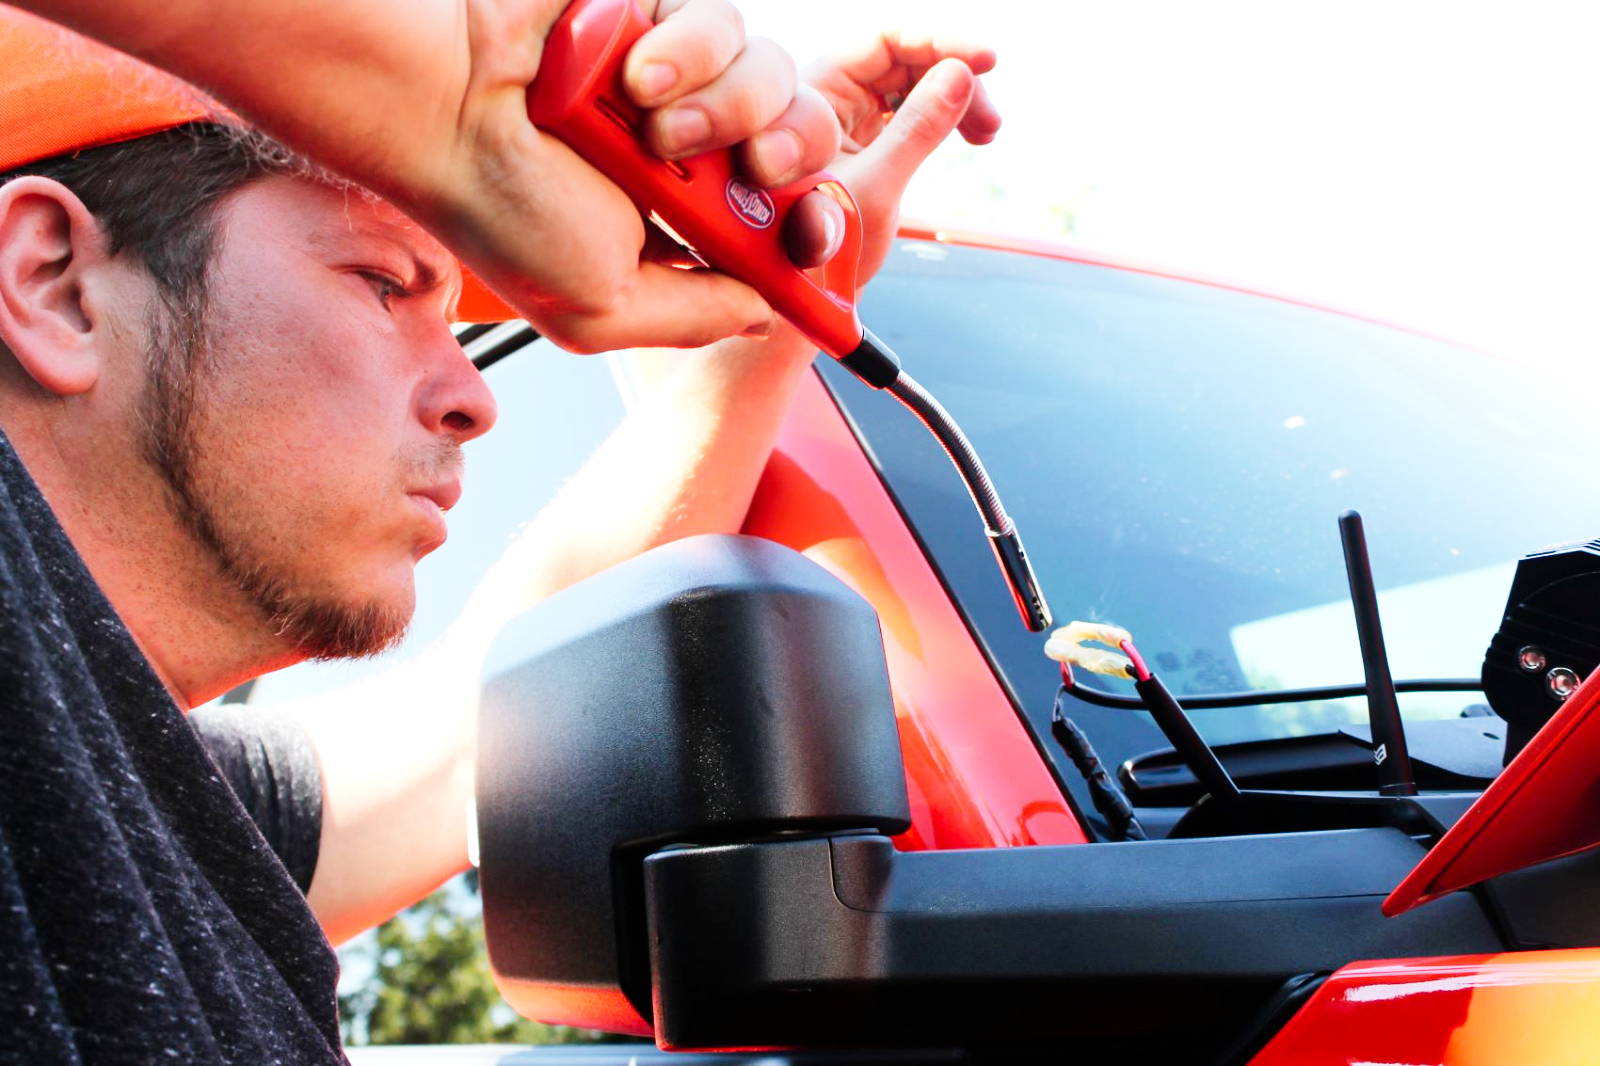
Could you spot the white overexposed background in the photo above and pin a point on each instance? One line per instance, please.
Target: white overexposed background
(1433, 163)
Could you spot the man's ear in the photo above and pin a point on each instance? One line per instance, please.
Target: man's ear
(50, 247)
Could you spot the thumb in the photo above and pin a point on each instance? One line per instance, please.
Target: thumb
(934, 107)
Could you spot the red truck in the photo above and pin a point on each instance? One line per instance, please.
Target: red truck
(816, 797)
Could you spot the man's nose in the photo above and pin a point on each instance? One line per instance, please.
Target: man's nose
(455, 400)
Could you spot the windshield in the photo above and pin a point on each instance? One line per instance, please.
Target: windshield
(1176, 456)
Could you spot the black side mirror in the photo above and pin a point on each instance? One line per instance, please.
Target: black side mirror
(715, 689)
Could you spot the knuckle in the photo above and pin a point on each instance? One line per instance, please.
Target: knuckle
(576, 335)
(737, 116)
(695, 38)
(749, 95)
(918, 123)
(598, 300)
(707, 335)
(730, 15)
(773, 59)
(711, 44)
(744, 116)
(818, 128)
(770, 83)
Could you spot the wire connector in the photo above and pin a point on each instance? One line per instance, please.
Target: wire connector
(1066, 645)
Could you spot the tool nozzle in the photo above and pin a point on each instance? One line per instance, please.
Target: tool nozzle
(1024, 584)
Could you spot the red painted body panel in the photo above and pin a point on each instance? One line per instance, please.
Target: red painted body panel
(1541, 807)
(974, 775)
(1491, 1010)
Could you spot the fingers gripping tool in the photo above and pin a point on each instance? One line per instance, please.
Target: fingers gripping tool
(737, 228)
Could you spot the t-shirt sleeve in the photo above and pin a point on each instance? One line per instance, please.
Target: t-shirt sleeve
(268, 759)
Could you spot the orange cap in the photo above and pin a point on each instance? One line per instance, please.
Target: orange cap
(61, 92)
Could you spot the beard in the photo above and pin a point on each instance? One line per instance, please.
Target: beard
(315, 626)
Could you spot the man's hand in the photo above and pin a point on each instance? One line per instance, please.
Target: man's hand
(566, 246)
(688, 459)
(897, 98)
(425, 104)
(937, 90)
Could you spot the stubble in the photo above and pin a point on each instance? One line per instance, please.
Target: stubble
(180, 355)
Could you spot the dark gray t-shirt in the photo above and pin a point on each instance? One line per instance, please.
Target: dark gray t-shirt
(143, 918)
(270, 764)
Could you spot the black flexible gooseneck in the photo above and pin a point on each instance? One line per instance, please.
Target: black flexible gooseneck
(877, 365)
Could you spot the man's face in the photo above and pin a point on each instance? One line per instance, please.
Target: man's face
(309, 430)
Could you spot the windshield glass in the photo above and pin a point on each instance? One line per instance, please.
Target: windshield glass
(1176, 455)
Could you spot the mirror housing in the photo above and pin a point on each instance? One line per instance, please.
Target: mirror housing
(718, 688)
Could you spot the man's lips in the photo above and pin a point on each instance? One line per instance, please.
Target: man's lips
(445, 494)
(434, 501)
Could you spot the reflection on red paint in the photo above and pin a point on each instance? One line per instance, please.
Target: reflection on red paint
(1534, 1007)
(973, 773)
(587, 1006)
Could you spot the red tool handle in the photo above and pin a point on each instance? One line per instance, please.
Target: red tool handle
(733, 226)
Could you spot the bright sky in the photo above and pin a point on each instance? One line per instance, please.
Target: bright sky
(1432, 163)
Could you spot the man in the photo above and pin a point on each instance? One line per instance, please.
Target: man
(232, 380)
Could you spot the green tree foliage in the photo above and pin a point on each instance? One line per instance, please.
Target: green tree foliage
(430, 984)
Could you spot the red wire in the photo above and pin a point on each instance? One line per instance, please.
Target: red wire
(1140, 670)
(1066, 675)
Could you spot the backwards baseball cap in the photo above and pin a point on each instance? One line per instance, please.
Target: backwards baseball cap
(60, 92)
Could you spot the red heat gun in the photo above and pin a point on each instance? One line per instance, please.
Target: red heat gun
(737, 228)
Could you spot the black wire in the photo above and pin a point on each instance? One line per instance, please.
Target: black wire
(516, 340)
(467, 334)
(1282, 695)
(1108, 799)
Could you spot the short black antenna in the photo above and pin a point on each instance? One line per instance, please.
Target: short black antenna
(1383, 710)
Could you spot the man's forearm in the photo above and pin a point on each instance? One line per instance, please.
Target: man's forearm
(685, 461)
(363, 86)
(396, 754)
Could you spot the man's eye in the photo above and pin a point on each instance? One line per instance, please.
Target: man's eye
(384, 286)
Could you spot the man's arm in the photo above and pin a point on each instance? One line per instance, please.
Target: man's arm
(424, 103)
(397, 753)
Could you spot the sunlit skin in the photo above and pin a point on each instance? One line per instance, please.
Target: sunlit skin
(333, 313)
(330, 407)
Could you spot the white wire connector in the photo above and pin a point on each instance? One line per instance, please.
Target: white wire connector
(1066, 646)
